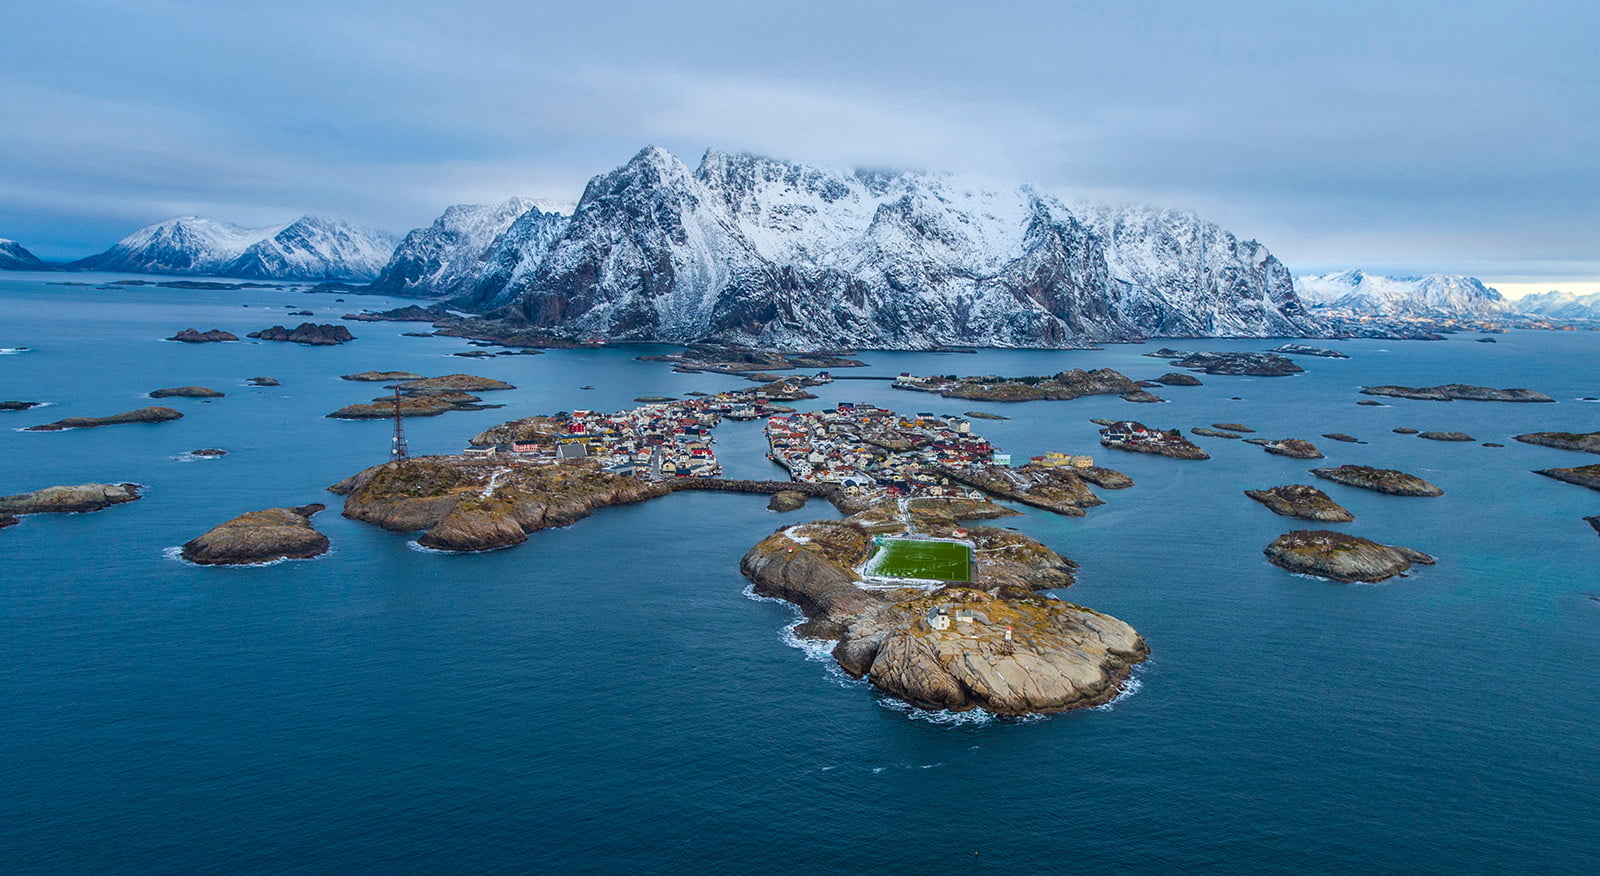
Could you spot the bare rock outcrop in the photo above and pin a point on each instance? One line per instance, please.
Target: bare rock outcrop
(69, 500)
(259, 537)
(191, 336)
(308, 333)
(186, 392)
(1455, 391)
(1382, 480)
(1585, 442)
(1301, 500)
(1339, 556)
(142, 415)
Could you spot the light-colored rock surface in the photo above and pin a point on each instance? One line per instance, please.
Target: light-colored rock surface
(142, 415)
(1301, 500)
(1339, 556)
(73, 499)
(1058, 656)
(259, 537)
(1383, 480)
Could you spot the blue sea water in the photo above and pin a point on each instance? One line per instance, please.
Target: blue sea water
(606, 698)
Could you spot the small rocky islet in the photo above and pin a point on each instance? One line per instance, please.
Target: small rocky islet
(76, 499)
(1303, 501)
(1294, 448)
(1382, 480)
(1233, 363)
(1062, 386)
(422, 396)
(18, 405)
(257, 537)
(308, 333)
(193, 336)
(1339, 556)
(1458, 392)
(142, 415)
(186, 392)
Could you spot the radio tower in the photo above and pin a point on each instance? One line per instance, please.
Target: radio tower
(399, 452)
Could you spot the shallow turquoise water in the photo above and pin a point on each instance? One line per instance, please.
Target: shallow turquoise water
(606, 698)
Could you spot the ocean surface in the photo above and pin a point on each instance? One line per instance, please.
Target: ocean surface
(608, 699)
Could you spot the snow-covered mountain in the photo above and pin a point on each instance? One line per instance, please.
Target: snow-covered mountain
(15, 257)
(758, 251)
(1560, 305)
(309, 248)
(448, 257)
(315, 248)
(1445, 296)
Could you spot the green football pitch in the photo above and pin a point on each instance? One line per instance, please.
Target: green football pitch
(913, 558)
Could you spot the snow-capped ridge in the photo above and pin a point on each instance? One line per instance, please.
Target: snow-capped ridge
(309, 248)
(757, 250)
(1358, 293)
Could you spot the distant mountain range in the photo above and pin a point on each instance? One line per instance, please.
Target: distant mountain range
(1436, 295)
(1561, 305)
(309, 248)
(751, 250)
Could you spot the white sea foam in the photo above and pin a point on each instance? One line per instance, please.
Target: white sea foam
(9, 351)
(192, 457)
(1130, 687)
(421, 549)
(176, 554)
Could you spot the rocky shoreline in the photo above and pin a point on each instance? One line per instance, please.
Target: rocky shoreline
(991, 643)
(79, 499)
(1235, 363)
(307, 333)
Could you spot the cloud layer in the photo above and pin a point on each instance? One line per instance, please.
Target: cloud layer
(1396, 135)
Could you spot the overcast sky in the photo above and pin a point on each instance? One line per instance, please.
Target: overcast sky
(1394, 136)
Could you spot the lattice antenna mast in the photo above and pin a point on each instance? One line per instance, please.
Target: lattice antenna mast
(398, 450)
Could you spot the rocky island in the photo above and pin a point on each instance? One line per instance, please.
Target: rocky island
(1303, 501)
(1052, 488)
(68, 500)
(1138, 438)
(1583, 476)
(142, 415)
(1064, 386)
(1239, 364)
(1584, 442)
(989, 642)
(1446, 436)
(1303, 350)
(263, 381)
(380, 376)
(1294, 448)
(18, 405)
(259, 537)
(1455, 391)
(191, 336)
(473, 504)
(186, 392)
(1341, 557)
(307, 333)
(728, 359)
(1382, 480)
(423, 396)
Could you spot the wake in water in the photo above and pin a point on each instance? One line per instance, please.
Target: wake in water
(8, 351)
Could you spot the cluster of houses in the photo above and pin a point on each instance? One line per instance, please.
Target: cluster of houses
(659, 440)
(1126, 432)
(871, 450)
